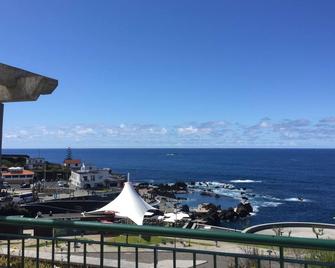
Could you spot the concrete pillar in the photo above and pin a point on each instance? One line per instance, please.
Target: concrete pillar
(1, 129)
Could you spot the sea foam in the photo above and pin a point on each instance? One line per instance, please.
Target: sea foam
(244, 181)
(296, 199)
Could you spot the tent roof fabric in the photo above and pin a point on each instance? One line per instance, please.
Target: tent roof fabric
(173, 217)
(128, 204)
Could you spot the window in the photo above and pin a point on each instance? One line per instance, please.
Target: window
(113, 184)
(92, 178)
(85, 178)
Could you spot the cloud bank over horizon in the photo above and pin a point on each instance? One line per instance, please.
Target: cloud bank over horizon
(267, 133)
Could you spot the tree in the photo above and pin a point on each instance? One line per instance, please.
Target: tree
(12, 208)
(278, 231)
(318, 232)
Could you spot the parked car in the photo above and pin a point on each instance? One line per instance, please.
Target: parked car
(5, 185)
(63, 184)
(25, 185)
(23, 198)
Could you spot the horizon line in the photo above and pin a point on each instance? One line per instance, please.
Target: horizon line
(172, 148)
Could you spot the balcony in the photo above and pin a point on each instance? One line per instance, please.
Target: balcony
(29, 243)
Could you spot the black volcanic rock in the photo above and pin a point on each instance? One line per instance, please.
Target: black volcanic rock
(13, 209)
(213, 218)
(210, 207)
(228, 214)
(244, 210)
(185, 208)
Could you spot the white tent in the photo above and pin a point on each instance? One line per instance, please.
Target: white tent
(173, 217)
(128, 204)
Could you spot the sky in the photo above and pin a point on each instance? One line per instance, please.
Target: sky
(173, 73)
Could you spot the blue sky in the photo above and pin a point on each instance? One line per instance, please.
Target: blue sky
(173, 73)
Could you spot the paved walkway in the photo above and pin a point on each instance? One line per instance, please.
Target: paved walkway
(108, 262)
(305, 232)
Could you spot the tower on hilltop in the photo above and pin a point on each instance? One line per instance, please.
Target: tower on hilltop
(68, 154)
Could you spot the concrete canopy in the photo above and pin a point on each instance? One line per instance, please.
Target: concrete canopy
(20, 85)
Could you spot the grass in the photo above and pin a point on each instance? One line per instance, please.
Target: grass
(154, 240)
(15, 262)
(320, 255)
(134, 239)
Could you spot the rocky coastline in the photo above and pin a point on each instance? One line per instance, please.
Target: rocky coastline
(207, 213)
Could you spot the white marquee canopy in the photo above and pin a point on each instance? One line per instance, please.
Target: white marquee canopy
(128, 204)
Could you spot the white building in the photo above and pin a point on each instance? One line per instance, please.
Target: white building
(17, 175)
(35, 162)
(91, 177)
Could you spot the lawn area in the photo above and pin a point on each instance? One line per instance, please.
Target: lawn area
(156, 240)
(135, 239)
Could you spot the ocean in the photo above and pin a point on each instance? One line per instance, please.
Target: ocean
(275, 180)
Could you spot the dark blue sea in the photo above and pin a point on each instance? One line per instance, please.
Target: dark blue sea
(274, 179)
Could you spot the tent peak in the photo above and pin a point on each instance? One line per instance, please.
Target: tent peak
(128, 204)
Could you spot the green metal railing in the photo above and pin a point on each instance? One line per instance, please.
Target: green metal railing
(312, 252)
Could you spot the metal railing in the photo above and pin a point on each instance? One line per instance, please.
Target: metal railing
(176, 247)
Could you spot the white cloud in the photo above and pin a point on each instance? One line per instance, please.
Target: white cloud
(79, 130)
(187, 130)
(264, 133)
(11, 136)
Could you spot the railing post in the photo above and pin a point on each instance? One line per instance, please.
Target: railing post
(136, 257)
(37, 253)
(101, 250)
(53, 252)
(214, 261)
(84, 254)
(281, 256)
(174, 259)
(22, 253)
(194, 260)
(68, 253)
(8, 253)
(236, 262)
(155, 258)
(119, 256)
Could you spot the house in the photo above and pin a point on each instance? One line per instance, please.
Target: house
(73, 164)
(92, 177)
(18, 175)
(35, 162)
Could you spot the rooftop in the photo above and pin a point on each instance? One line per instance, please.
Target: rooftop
(22, 172)
(72, 161)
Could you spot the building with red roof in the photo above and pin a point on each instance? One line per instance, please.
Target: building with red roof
(18, 175)
(74, 164)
